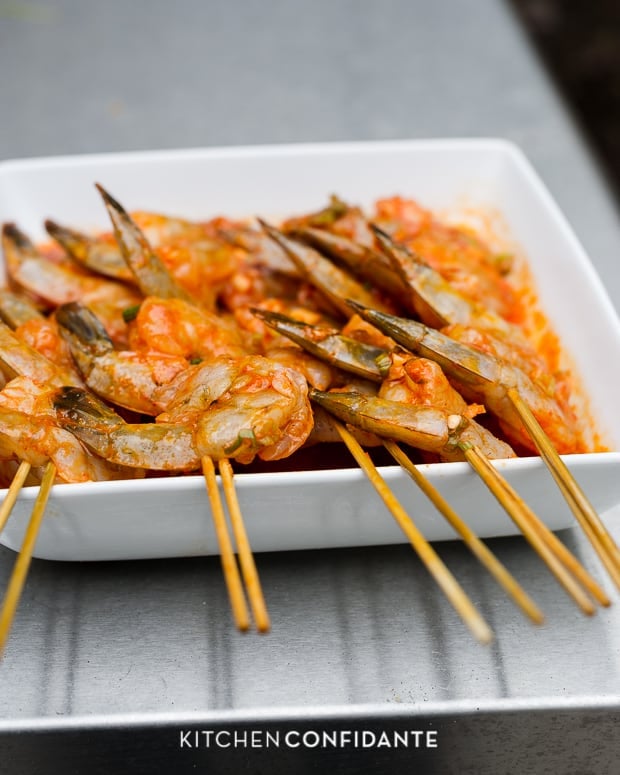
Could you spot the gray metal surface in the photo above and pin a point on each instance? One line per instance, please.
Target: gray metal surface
(357, 631)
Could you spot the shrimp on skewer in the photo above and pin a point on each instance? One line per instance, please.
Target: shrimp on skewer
(526, 412)
(198, 256)
(425, 427)
(101, 254)
(406, 380)
(480, 377)
(420, 381)
(160, 446)
(222, 409)
(274, 423)
(29, 431)
(189, 269)
(58, 284)
(437, 302)
(156, 446)
(454, 252)
(218, 411)
(126, 377)
(445, 435)
(28, 423)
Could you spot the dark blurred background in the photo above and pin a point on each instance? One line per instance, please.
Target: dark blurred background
(579, 41)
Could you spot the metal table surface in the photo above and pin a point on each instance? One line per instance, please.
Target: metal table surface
(107, 662)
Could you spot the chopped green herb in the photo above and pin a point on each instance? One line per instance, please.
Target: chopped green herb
(195, 361)
(503, 262)
(246, 434)
(131, 313)
(234, 446)
(384, 362)
(335, 210)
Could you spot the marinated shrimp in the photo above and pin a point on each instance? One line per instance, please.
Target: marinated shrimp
(173, 323)
(403, 379)
(29, 431)
(484, 378)
(226, 408)
(57, 284)
(456, 253)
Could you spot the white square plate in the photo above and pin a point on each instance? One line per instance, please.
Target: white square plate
(320, 509)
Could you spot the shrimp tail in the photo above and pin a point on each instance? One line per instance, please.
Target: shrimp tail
(334, 283)
(84, 333)
(156, 446)
(328, 345)
(151, 274)
(94, 254)
(361, 259)
(424, 427)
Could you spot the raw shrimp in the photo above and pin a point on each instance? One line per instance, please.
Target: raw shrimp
(150, 273)
(125, 377)
(225, 409)
(19, 358)
(484, 378)
(336, 284)
(404, 380)
(176, 327)
(29, 431)
(425, 427)
(189, 266)
(58, 284)
(454, 252)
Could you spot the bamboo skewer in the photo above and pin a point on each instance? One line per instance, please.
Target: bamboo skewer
(522, 517)
(424, 550)
(246, 558)
(229, 563)
(22, 564)
(590, 522)
(478, 548)
(570, 562)
(12, 493)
